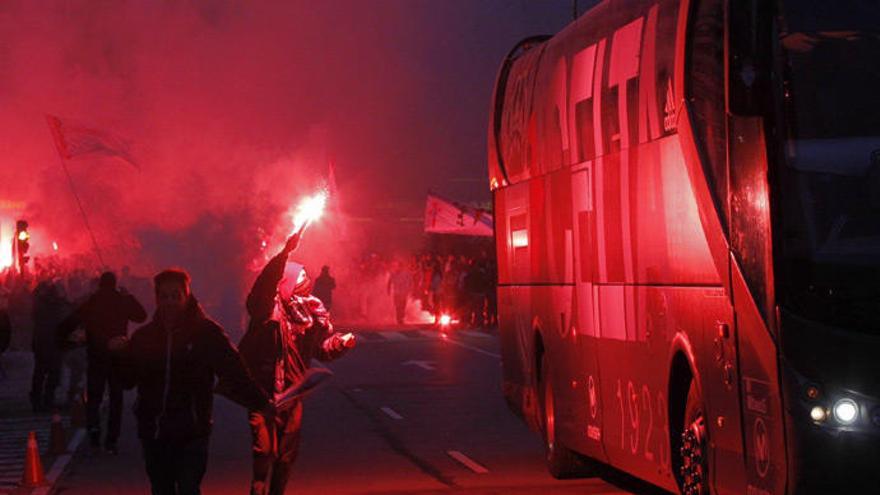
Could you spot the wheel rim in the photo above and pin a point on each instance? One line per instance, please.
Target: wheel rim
(549, 419)
(693, 458)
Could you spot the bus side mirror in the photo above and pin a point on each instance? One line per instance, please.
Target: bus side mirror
(750, 56)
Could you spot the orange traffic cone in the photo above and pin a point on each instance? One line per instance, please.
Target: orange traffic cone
(57, 438)
(78, 412)
(32, 476)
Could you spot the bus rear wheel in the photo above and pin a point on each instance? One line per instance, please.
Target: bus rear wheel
(694, 468)
(562, 463)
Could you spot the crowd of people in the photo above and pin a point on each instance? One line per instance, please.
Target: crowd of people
(174, 361)
(35, 303)
(425, 286)
(79, 320)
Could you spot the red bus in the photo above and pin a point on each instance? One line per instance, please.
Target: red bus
(687, 204)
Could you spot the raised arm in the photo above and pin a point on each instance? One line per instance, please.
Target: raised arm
(261, 298)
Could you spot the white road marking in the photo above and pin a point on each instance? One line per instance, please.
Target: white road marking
(475, 349)
(61, 462)
(425, 365)
(467, 462)
(391, 413)
(394, 336)
(472, 333)
(431, 334)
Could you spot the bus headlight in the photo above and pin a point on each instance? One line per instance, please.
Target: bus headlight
(818, 414)
(846, 411)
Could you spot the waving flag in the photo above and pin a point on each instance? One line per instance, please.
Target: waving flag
(447, 217)
(74, 140)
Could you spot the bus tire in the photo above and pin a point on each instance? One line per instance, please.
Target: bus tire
(562, 463)
(694, 470)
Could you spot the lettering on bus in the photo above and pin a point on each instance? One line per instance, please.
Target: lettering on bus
(757, 395)
(762, 448)
(516, 117)
(614, 114)
(640, 407)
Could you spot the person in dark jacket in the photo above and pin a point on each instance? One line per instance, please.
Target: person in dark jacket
(105, 316)
(324, 286)
(49, 310)
(400, 284)
(288, 327)
(173, 361)
(5, 327)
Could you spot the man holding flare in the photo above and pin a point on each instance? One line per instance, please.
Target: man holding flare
(288, 328)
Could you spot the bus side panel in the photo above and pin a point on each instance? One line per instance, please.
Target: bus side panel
(517, 341)
(762, 398)
(633, 362)
(719, 379)
(573, 368)
(516, 332)
(644, 301)
(587, 437)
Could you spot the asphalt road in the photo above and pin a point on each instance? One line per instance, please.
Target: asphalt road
(407, 412)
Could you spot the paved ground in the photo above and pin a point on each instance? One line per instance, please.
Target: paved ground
(17, 420)
(408, 412)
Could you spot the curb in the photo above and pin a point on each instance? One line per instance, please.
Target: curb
(61, 463)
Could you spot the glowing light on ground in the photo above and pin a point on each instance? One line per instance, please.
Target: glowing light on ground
(445, 320)
(416, 314)
(54, 246)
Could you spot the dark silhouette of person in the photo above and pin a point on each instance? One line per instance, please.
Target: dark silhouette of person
(288, 327)
(400, 283)
(5, 329)
(49, 310)
(174, 361)
(105, 316)
(324, 286)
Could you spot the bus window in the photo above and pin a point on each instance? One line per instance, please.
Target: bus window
(831, 173)
(705, 93)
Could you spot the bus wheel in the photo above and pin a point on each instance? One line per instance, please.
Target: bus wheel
(561, 462)
(694, 460)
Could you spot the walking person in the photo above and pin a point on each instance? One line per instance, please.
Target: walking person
(49, 310)
(105, 317)
(288, 328)
(173, 361)
(400, 284)
(5, 328)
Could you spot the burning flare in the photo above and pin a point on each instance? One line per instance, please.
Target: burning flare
(309, 210)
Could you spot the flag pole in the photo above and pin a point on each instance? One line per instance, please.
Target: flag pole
(82, 212)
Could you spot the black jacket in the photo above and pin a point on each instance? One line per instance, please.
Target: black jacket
(174, 373)
(104, 315)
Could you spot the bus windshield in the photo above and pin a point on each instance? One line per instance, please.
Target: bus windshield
(830, 191)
